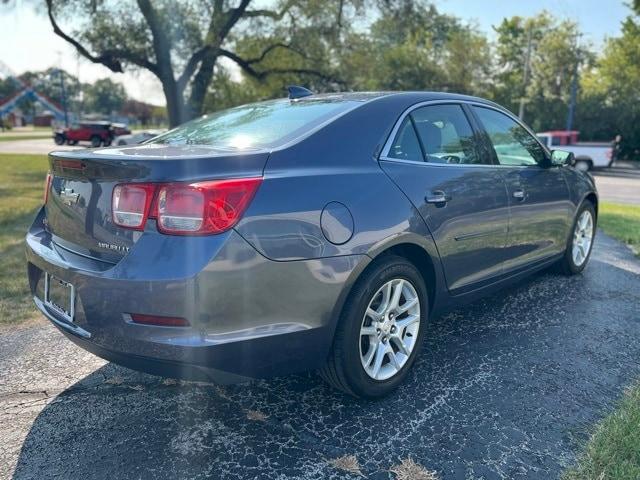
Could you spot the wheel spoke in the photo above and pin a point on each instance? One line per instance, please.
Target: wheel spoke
(368, 331)
(405, 322)
(393, 359)
(386, 297)
(401, 345)
(397, 293)
(407, 305)
(373, 314)
(381, 351)
(373, 348)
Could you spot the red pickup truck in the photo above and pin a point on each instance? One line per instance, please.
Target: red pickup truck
(98, 133)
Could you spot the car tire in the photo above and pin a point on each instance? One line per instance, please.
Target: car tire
(345, 368)
(583, 165)
(580, 241)
(96, 141)
(59, 139)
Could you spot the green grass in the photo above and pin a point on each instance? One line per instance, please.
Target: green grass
(21, 189)
(621, 222)
(614, 449)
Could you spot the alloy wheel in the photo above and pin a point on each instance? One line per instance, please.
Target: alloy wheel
(389, 329)
(582, 238)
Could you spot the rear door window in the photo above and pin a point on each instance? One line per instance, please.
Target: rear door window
(446, 135)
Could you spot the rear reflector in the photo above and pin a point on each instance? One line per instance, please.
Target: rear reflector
(159, 321)
(205, 207)
(130, 204)
(47, 187)
(69, 164)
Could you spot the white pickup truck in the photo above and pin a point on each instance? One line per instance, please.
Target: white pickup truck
(587, 154)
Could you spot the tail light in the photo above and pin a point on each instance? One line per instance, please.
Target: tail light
(130, 204)
(205, 207)
(47, 187)
(184, 209)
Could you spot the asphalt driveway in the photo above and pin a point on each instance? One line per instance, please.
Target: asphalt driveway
(507, 387)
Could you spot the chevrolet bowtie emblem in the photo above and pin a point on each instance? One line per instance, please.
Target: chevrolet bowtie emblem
(68, 197)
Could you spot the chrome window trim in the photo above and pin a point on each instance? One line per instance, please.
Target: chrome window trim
(384, 155)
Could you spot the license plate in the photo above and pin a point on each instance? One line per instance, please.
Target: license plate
(59, 296)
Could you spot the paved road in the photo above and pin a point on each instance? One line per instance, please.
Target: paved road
(621, 185)
(41, 146)
(507, 387)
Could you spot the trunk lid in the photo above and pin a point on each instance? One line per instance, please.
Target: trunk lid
(78, 208)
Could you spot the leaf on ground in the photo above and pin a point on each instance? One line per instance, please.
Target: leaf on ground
(256, 415)
(348, 463)
(410, 470)
(114, 380)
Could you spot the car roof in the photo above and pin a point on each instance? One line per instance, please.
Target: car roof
(417, 96)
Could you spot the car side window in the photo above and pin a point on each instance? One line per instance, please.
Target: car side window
(512, 143)
(406, 145)
(446, 135)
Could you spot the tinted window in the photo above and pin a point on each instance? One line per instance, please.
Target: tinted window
(406, 145)
(445, 134)
(256, 125)
(512, 143)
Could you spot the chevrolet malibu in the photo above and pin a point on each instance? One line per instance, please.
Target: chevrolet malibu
(312, 232)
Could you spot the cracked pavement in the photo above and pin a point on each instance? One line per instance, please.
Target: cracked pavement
(507, 387)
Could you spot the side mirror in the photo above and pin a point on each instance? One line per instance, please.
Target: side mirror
(561, 157)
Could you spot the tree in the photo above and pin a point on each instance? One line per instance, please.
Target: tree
(104, 96)
(611, 88)
(181, 43)
(554, 55)
(408, 46)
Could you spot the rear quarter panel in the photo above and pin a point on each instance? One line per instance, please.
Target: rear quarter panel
(336, 164)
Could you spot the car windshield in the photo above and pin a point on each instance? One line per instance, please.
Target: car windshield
(257, 125)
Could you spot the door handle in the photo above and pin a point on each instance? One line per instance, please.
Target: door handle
(437, 197)
(518, 194)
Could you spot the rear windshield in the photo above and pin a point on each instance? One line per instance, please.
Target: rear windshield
(257, 125)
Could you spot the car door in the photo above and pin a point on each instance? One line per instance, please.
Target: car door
(437, 159)
(540, 207)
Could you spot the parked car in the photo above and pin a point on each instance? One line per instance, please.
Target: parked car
(98, 133)
(316, 232)
(587, 154)
(136, 138)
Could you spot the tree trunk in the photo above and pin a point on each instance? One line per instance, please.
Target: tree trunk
(200, 84)
(175, 102)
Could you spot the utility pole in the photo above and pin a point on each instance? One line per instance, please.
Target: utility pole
(574, 90)
(527, 67)
(64, 99)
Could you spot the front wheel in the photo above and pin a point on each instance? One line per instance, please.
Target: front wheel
(59, 139)
(380, 330)
(96, 141)
(580, 243)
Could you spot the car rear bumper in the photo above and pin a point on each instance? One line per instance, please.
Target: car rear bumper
(249, 317)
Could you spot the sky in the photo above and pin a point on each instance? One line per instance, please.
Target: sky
(28, 42)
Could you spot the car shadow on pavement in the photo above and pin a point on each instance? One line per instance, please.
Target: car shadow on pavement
(507, 387)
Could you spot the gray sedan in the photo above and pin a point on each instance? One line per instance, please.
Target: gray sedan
(313, 232)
